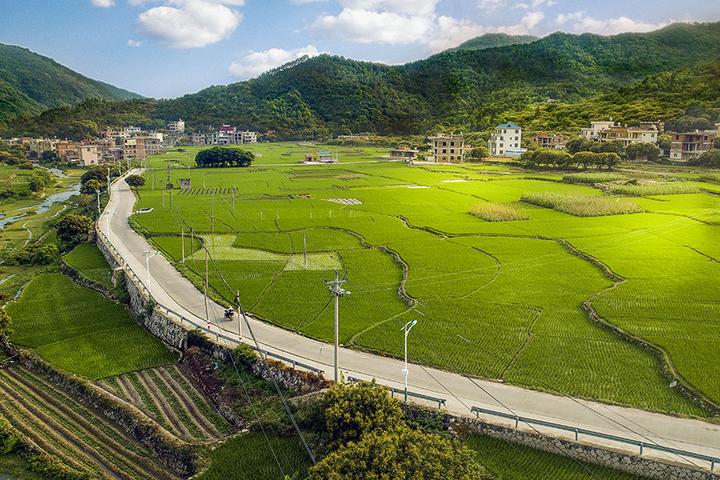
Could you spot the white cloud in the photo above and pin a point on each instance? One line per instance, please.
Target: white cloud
(369, 26)
(256, 63)
(305, 2)
(535, 4)
(451, 32)
(403, 7)
(578, 22)
(191, 23)
(134, 43)
(103, 3)
(490, 5)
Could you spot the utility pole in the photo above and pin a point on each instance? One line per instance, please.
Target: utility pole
(240, 313)
(148, 255)
(337, 290)
(192, 241)
(233, 198)
(182, 236)
(98, 201)
(207, 315)
(406, 328)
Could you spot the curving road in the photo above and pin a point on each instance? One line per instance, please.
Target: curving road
(171, 289)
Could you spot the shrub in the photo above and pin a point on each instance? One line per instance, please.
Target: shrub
(350, 411)
(498, 212)
(40, 179)
(710, 158)
(660, 188)
(399, 454)
(135, 181)
(582, 205)
(38, 255)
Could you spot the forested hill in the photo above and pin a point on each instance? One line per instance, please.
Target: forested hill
(493, 40)
(468, 90)
(471, 89)
(31, 83)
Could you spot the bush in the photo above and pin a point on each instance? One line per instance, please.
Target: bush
(40, 180)
(38, 255)
(349, 411)
(582, 205)
(399, 454)
(497, 212)
(135, 181)
(73, 228)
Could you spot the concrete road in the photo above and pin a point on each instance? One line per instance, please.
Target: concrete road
(171, 289)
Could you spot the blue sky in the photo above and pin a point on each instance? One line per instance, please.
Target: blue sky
(167, 48)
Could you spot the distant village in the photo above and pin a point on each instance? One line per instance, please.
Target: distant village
(506, 140)
(130, 143)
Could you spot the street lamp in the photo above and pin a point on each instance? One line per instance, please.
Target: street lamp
(406, 328)
(148, 255)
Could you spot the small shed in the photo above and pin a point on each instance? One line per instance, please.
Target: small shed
(185, 184)
(327, 157)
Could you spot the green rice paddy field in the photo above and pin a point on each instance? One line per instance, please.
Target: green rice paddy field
(501, 297)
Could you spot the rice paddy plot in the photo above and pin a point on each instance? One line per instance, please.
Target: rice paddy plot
(81, 331)
(87, 259)
(503, 299)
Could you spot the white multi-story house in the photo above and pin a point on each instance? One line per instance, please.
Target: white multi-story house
(448, 148)
(506, 141)
(596, 128)
(176, 127)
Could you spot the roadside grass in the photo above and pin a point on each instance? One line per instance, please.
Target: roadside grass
(593, 177)
(80, 331)
(659, 188)
(582, 205)
(248, 456)
(506, 461)
(87, 259)
(497, 212)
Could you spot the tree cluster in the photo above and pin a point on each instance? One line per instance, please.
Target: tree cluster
(39, 180)
(580, 144)
(73, 228)
(224, 157)
(551, 158)
(38, 255)
(642, 151)
(367, 436)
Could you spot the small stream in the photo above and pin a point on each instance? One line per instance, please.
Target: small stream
(43, 206)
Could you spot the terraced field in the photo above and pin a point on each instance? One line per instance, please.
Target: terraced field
(62, 426)
(87, 259)
(80, 331)
(500, 299)
(169, 397)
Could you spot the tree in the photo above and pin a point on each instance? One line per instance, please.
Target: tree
(578, 144)
(48, 156)
(477, 154)
(135, 181)
(73, 228)
(224, 157)
(39, 180)
(97, 173)
(642, 151)
(711, 158)
(38, 255)
(399, 454)
(351, 411)
(91, 186)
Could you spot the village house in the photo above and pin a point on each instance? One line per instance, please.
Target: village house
(550, 140)
(67, 150)
(690, 145)
(448, 148)
(608, 131)
(90, 154)
(225, 135)
(404, 153)
(506, 141)
(176, 127)
(139, 148)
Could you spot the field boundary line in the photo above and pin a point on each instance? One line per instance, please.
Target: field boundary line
(662, 358)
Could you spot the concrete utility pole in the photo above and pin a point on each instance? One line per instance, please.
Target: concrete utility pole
(240, 314)
(406, 328)
(337, 290)
(182, 236)
(97, 192)
(305, 250)
(207, 315)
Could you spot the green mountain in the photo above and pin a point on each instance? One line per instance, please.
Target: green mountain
(31, 83)
(493, 40)
(538, 84)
